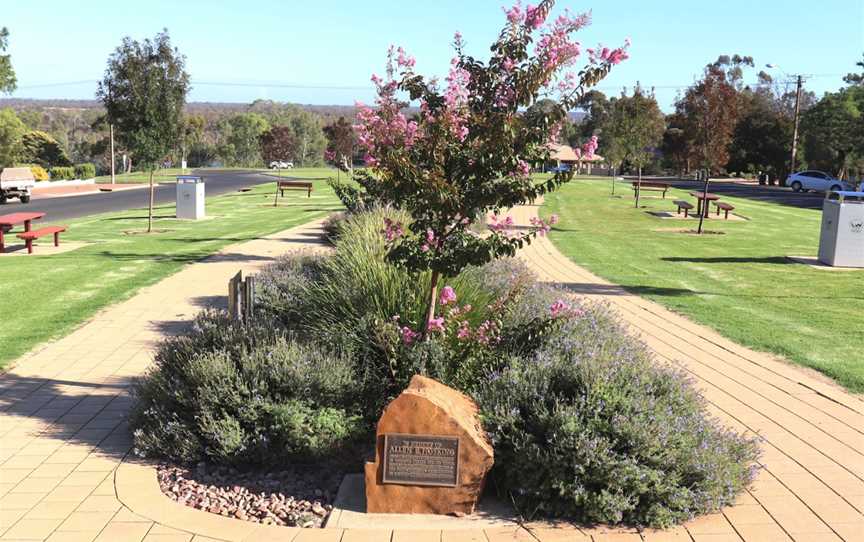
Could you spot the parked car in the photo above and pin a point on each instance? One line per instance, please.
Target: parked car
(16, 182)
(816, 180)
(281, 164)
(563, 168)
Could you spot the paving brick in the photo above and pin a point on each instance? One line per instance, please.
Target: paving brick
(128, 532)
(32, 529)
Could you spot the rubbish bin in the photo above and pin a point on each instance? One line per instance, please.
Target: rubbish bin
(841, 242)
(190, 197)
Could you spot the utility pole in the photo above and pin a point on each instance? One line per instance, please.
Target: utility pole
(797, 119)
(111, 129)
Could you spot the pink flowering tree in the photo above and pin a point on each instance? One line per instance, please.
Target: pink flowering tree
(468, 153)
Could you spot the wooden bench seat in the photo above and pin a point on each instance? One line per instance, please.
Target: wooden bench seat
(295, 185)
(29, 236)
(725, 207)
(651, 186)
(686, 205)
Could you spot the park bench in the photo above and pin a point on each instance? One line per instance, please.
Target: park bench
(29, 236)
(725, 207)
(686, 205)
(295, 185)
(649, 185)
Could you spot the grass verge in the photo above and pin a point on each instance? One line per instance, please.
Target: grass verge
(740, 283)
(43, 297)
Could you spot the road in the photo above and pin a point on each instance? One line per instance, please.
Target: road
(772, 194)
(67, 208)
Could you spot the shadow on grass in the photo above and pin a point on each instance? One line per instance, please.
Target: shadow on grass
(155, 217)
(613, 289)
(185, 258)
(778, 260)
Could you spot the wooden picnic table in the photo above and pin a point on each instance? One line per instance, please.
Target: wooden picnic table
(7, 221)
(702, 200)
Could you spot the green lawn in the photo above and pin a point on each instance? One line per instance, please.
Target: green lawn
(739, 283)
(52, 294)
(143, 177)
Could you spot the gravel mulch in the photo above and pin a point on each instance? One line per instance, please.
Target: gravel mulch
(296, 497)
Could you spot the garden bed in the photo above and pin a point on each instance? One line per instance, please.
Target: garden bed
(585, 424)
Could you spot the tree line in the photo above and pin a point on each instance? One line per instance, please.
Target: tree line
(718, 124)
(721, 125)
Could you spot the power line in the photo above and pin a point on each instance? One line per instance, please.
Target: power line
(312, 86)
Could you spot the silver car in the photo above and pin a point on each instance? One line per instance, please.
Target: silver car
(816, 180)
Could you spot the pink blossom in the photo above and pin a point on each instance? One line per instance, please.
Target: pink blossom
(448, 295)
(464, 331)
(508, 64)
(559, 308)
(329, 155)
(514, 14)
(496, 223)
(392, 230)
(408, 335)
(436, 324)
(533, 17)
(523, 169)
(589, 148)
(487, 332)
(542, 227)
(404, 60)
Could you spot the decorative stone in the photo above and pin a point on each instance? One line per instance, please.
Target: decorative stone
(437, 451)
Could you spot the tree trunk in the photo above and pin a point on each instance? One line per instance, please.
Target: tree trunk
(150, 209)
(638, 186)
(433, 300)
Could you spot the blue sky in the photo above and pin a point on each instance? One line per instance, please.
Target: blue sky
(239, 51)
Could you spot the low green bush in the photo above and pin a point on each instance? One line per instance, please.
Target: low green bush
(245, 394)
(85, 171)
(59, 173)
(590, 427)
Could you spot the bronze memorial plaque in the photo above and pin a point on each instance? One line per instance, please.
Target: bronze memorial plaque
(421, 460)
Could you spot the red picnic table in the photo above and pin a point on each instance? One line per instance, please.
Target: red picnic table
(702, 200)
(16, 218)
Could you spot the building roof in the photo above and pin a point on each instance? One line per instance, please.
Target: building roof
(565, 153)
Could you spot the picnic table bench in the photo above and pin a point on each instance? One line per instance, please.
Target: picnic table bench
(653, 186)
(686, 205)
(725, 207)
(29, 236)
(295, 185)
(702, 200)
(10, 220)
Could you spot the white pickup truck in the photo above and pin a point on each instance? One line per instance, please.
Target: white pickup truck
(16, 182)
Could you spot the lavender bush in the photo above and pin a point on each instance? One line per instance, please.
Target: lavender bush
(590, 427)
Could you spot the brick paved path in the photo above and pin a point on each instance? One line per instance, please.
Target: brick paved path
(63, 435)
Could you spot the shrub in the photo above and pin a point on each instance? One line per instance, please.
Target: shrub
(38, 171)
(236, 394)
(62, 173)
(590, 427)
(85, 171)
